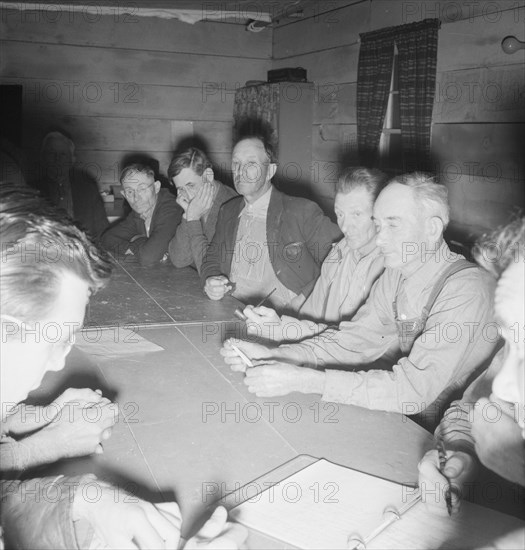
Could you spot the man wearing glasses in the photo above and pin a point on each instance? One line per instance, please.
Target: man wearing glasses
(146, 232)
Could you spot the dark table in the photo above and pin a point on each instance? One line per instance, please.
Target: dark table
(189, 429)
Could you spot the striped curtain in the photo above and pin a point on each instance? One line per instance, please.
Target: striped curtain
(417, 46)
(374, 72)
(417, 57)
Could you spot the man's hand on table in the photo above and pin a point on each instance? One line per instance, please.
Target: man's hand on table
(275, 379)
(77, 429)
(498, 440)
(250, 349)
(28, 418)
(263, 322)
(216, 287)
(269, 378)
(460, 468)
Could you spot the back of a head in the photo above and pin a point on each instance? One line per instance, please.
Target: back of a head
(39, 245)
(370, 179)
(505, 245)
(430, 197)
(192, 158)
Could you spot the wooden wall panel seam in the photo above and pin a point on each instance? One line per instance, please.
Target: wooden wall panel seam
(127, 48)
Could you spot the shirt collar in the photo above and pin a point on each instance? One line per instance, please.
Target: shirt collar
(367, 248)
(260, 206)
(435, 262)
(149, 214)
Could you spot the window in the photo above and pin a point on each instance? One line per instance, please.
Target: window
(390, 149)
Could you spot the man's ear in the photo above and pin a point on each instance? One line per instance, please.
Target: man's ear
(435, 228)
(208, 176)
(272, 168)
(157, 187)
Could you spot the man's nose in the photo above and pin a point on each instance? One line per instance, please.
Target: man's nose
(345, 225)
(380, 237)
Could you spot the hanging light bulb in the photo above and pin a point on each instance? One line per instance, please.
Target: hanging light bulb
(511, 44)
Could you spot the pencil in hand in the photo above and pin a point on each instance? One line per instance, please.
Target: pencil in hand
(246, 360)
(238, 313)
(442, 454)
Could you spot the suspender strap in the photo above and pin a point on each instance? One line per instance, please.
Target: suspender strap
(452, 269)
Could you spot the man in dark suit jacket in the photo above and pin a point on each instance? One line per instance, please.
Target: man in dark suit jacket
(264, 239)
(68, 187)
(148, 229)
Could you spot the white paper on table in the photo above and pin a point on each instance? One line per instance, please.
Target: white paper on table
(325, 506)
(114, 342)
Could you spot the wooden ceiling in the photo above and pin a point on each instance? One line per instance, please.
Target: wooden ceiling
(276, 11)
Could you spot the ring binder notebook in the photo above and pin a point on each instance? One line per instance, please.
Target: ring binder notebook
(312, 504)
(326, 506)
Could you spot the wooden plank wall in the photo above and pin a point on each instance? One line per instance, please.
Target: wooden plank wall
(126, 84)
(478, 131)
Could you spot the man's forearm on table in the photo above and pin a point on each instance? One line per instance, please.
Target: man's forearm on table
(299, 354)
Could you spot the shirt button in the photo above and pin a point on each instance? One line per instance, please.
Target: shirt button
(403, 317)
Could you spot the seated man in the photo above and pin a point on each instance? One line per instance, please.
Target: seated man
(265, 239)
(39, 290)
(200, 195)
(148, 229)
(475, 430)
(413, 344)
(348, 272)
(67, 186)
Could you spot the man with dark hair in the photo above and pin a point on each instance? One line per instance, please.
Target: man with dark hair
(148, 229)
(67, 187)
(49, 270)
(200, 195)
(265, 239)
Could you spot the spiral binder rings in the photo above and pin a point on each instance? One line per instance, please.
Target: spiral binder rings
(314, 504)
(352, 507)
